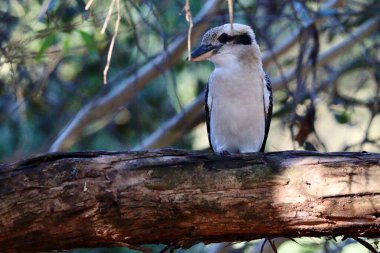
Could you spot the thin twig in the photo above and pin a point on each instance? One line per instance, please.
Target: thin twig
(88, 5)
(274, 248)
(262, 245)
(366, 244)
(110, 9)
(112, 42)
(231, 14)
(189, 19)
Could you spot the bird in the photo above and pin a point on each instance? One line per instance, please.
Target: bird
(238, 97)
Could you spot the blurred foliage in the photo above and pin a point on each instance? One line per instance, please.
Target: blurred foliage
(52, 62)
(52, 56)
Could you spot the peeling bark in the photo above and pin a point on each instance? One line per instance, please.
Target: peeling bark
(91, 199)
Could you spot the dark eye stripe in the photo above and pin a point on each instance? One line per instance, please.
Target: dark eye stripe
(224, 38)
(243, 39)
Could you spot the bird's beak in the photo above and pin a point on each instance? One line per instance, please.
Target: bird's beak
(203, 52)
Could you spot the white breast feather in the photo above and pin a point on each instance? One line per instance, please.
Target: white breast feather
(235, 99)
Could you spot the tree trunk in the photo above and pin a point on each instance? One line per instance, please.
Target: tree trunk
(91, 199)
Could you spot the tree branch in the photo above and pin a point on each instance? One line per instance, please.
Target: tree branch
(130, 86)
(291, 41)
(173, 129)
(67, 200)
(339, 49)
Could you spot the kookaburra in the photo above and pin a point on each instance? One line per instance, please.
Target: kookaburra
(239, 93)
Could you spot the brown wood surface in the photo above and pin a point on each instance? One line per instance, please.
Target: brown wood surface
(91, 199)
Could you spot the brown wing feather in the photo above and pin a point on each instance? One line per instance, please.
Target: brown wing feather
(268, 115)
(207, 112)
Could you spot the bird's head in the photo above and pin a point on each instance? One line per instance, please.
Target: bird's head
(220, 44)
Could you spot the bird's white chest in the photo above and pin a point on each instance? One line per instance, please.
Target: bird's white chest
(237, 118)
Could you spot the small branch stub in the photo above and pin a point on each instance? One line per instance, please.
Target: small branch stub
(88, 5)
(189, 19)
(110, 50)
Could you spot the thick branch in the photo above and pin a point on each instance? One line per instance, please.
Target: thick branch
(67, 200)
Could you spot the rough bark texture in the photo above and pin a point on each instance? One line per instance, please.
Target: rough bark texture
(68, 200)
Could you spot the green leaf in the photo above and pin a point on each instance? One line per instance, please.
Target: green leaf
(46, 43)
(66, 45)
(89, 41)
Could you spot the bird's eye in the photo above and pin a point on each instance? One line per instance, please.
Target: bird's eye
(243, 39)
(224, 38)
